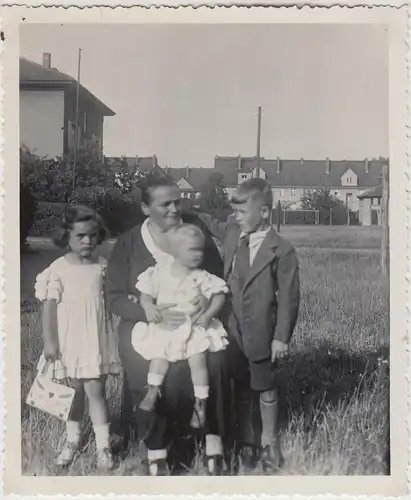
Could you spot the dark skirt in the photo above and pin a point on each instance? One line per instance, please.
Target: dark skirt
(175, 408)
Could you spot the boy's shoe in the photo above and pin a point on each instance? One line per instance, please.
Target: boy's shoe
(272, 458)
(214, 465)
(158, 467)
(67, 454)
(149, 402)
(199, 414)
(105, 461)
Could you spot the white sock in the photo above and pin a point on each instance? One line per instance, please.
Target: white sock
(201, 391)
(214, 446)
(73, 431)
(101, 433)
(155, 379)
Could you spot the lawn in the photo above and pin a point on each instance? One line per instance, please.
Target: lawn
(335, 384)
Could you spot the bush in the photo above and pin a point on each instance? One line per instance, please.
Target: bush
(48, 216)
(27, 212)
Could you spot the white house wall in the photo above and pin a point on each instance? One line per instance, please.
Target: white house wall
(42, 121)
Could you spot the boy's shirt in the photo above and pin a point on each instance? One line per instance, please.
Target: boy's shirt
(255, 242)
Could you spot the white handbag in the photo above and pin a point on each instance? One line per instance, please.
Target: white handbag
(50, 396)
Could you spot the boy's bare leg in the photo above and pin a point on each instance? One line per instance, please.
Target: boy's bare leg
(271, 455)
(199, 376)
(156, 373)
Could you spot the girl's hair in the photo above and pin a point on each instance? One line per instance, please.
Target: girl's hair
(147, 186)
(78, 213)
(186, 231)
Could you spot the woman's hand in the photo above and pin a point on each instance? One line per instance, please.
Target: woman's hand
(172, 319)
(51, 350)
(200, 304)
(153, 315)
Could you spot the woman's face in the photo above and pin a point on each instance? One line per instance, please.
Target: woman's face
(164, 208)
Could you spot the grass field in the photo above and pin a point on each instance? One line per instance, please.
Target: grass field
(335, 384)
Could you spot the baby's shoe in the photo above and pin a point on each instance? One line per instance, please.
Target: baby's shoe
(199, 414)
(105, 461)
(150, 399)
(67, 454)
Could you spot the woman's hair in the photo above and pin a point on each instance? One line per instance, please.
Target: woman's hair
(185, 231)
(147, 186)
(78, 213)
(255, 189)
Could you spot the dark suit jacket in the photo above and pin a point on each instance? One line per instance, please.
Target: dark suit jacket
(269, 302)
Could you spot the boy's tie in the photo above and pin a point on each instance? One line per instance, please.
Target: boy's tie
(242, 259)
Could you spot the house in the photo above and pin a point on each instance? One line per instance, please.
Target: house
(190, 180)
(370, 207)
(144, 163)
(48, 111)
(291, 179)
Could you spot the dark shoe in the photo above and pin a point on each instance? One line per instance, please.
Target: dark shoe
(149, 402)
(158, 467)
(272, 458)
(214, 465)
(199, 414)
(247, 457)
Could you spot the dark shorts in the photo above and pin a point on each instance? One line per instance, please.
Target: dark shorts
(258, 375)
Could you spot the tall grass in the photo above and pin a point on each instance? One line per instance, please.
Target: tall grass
(335, 384)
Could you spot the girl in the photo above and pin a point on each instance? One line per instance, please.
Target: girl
(175, 284)
(77, 332)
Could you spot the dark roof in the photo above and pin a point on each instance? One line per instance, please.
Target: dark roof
(144, 163)
(372, 193)
(302, 173)
(36, 75)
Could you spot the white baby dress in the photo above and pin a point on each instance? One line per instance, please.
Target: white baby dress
(154, 341)
(88, 343)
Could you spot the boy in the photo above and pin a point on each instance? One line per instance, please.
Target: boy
(261, 269)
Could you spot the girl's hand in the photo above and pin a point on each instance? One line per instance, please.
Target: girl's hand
(200, 304)
(278, 350)
(51, 351)
(153, 315)
(172, 319)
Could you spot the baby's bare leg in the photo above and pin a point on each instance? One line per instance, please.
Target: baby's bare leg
(199, 376)
(156, 373)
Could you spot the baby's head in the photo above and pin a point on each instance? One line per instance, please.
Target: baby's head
(187, 245)
(252, 202)
(81, 229)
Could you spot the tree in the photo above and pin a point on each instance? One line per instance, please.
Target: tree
(214, 196)
(322, 200)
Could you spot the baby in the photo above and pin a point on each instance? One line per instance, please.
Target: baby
(179, 281)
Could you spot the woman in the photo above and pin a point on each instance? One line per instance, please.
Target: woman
(134, 252)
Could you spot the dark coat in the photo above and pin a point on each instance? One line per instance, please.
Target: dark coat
(270, 298)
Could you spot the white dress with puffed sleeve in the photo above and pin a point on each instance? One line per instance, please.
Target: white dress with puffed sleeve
(153, 341)
(87, 341)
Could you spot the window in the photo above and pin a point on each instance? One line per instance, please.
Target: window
(293, 192)
(281, 192)
(349, 180)
(244, 176)
(337, 194)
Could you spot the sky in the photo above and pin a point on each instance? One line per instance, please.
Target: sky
(189, 92)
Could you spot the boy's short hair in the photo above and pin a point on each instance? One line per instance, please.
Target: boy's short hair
(255, 189)
(77, 213)
(186, 231)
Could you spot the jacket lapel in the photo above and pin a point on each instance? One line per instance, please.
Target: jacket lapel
(230, 249)
(264, 256)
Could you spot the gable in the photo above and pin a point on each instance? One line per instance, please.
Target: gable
(183, 184)
(349, 178)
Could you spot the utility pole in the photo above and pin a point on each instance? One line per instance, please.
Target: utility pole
(385, 259)
(76, 122)
(258, 141)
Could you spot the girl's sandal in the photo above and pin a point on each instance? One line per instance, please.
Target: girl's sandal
(67, 454)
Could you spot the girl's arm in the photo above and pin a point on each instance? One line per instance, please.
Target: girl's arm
(50, 331)
(216, 303)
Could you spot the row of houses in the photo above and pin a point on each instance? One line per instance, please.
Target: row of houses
(48, 103)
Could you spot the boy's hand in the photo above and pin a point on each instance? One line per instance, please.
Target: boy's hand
(203, 321)
(51, 350)
(153, 315)
(278, 350)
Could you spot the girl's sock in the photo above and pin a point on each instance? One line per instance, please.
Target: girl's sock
(73, 431)
(155, 379)
(201, 391)
(101, 433)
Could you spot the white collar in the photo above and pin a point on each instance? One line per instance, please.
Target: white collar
(158, 254)
(256, 235)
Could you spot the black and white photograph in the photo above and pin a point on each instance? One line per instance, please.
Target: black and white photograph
(206, 249)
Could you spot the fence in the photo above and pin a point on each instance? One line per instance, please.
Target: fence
(325, 216)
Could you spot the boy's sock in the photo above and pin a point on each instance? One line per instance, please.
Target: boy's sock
(269, 417)
(101, 433)
(73, 431)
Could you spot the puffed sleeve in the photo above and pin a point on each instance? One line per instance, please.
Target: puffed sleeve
(48, 285)
(211, 285)
(147, 282)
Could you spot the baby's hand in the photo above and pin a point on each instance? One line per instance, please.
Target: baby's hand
(153, 315)
(204, 321)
